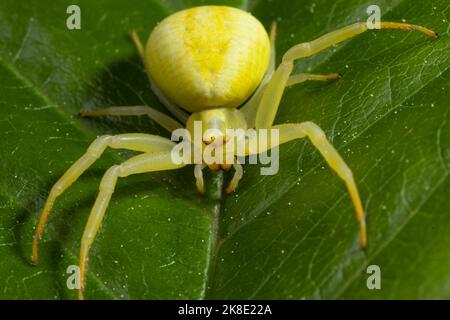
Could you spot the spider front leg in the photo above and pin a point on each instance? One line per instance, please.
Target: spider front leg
(271, 97)
(146, 162)
(136, 142)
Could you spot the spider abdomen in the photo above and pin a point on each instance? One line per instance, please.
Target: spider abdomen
(208, 57)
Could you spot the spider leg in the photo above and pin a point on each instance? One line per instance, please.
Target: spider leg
(271, 96)
(273, 52)
(198, 173)
(162, 119)
(139, 46)
(302, 77)
(291, 131)
(174, 109)
(251, 107)
(238, 173)
(136, 142)
(147, 162)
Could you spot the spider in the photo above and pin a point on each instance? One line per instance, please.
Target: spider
(216, 65)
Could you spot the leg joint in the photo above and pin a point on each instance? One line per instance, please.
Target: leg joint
(99, 145)
(110, 178)
(298, 51)
(312, 130)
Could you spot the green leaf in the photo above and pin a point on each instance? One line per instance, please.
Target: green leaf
(289, 236)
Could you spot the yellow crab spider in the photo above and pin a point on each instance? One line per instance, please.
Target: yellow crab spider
(213, 64)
